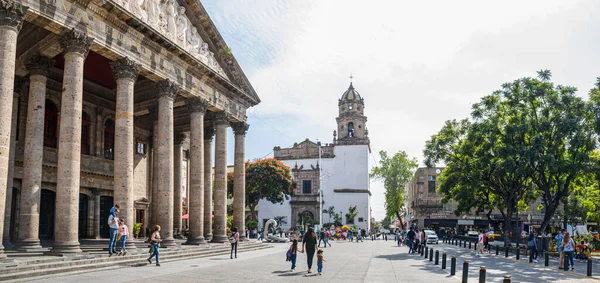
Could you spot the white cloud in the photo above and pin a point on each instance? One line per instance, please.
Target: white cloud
(416, 63)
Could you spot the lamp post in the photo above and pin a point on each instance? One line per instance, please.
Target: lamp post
(320, 189)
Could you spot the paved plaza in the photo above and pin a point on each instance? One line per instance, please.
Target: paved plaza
(371, 261)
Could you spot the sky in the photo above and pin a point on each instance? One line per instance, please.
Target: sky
(415, 63)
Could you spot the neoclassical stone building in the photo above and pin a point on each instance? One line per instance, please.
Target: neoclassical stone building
(100, 103)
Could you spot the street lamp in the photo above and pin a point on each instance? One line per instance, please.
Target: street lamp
(320, 189)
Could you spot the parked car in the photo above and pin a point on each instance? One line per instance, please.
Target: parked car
(472, 233)
(432, 237)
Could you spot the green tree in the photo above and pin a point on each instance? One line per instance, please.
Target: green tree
(351, 214)
(395, 172)
(587, 191)
(280, 220)
(267, 179)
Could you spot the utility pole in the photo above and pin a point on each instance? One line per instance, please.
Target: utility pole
(320, 188)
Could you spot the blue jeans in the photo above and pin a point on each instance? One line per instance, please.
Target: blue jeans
(571, 255)
(326, 241)
(155, 253)
(293, 260)
(123, 240)
(410, 245)
(113, 240)
(319, 267)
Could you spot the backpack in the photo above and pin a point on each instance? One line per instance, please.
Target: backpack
(288, 254)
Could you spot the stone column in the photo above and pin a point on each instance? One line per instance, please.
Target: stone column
(239, 179)
(91, 216)
(177, 183)
(97, 214)
(209, 132)
(221, 124)
(197, 108)
(76, 45)
(154, 192)
(11, 20)
(126, 72)
(164, 186)
(33, 155)
(6, 240)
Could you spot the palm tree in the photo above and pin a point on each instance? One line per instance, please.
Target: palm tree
(280, 220)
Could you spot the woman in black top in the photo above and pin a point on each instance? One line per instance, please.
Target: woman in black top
(309, 241)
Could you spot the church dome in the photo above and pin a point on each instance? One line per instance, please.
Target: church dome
(351, 94)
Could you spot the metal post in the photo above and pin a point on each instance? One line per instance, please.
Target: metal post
(469, 245)
(506, 279)
(530, 256)
(453, 265)
(437, 257)
(482, 274)
(589, 267)
(566, 263)
(497, 249)
(431, 254)
(475, 245)
(546, 259)
(444, 261)
(506, 251)
(464, 244)
(465, 272)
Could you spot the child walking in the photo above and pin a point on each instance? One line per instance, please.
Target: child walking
(124, 231)
(293, 253)
(320, 261)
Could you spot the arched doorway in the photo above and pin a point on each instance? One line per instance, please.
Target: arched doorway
(306, 217)
(47, 210)
(83, 215)
(106, 202)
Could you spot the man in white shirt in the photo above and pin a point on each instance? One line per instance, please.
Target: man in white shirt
(113, 223)
(418, 239)
(480, 243)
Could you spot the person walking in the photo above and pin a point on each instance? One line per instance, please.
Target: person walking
(480, 244)
(234, 239)
(320, 261)
(326, 238)
(411, 241)
(532, 245)
(320, 235)
(155, 242)
(293, 253)
(559, 239)
(113, 223)
(309, 244)
(124, 231)
(568, 246)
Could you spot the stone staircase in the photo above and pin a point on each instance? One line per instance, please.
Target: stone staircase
(30, 266)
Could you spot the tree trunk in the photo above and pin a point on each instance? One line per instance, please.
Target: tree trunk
(400, 219)
(507, 225)
(252, 208)
(550, 210)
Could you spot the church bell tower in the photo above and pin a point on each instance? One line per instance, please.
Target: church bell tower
(351, 121)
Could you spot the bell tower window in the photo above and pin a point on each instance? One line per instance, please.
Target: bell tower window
(350, 107)
(350, 130)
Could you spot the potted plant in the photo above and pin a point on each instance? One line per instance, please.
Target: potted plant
(136, 229)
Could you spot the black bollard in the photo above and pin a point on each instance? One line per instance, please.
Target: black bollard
(546, 259)
(497, 249)
(469, 245)
(475, 245)
(530, 256)
(431, 254)
(425, 252)
(505, 251)
(506, 279)
(444, 261)
(518, 253)
(437, 257)
(453, 266)
(465, 244)
(465, 272)
(589, 267)
(482, 274)
(566, 264)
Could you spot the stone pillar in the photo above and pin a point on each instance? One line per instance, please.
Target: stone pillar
(154, 191)
(177, 183)
(76, 45)
(209, 132)
(11, 20)
(91, 216)
(164, 186)
(6, 240)
(239, 179)
(33, 155)
(221, 124)
(126, 72)
(97, 215)
(197, 108)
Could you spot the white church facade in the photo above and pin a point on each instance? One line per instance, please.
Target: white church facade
(340, 172)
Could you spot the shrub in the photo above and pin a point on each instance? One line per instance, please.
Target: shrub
(252, 224)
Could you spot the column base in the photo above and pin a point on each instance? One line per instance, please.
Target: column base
(168, 242)
(195, 241)
(65, 249)
(219, 239)
(243, 238)
(208, 237)
(130, 246)
(7, 243)
(3, 257)
(30, 245)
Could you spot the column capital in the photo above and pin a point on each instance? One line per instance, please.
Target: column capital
(221, 118)
(39, 65)
(76, 41)
(125, 68)
(240, 128)
(167, 88)
(197, 104)
(209, 131)
(179, 139)
(12, 14)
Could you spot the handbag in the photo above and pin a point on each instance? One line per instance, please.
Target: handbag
(232, 239)
(119, 236)
(288, 255)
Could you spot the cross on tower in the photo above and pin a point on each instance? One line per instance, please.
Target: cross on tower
(351, 77)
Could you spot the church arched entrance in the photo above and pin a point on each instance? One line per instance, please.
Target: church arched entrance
(47, 210)
(306, 217)
(83, 215)
(106, 202)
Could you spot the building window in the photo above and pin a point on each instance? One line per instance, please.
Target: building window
(50, 124)
(350, 130)
(109, 139)
(85, 133)
(141, 147)
(431, 184)
(360, 219)
(350, 107)
(306, 187)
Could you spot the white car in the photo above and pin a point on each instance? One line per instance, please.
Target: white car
(432, 237)
(473, 233)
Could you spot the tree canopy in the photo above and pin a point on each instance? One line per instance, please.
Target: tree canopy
(395, 172)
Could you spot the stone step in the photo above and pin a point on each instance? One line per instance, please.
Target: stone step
(85, 265)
